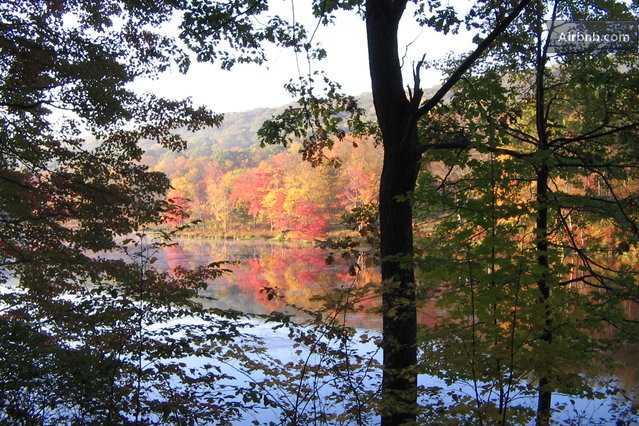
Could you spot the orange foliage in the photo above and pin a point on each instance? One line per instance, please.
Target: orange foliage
(281, 194)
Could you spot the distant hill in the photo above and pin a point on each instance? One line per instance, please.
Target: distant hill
(239, 131)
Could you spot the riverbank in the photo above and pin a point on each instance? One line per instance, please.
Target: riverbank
(256, 234)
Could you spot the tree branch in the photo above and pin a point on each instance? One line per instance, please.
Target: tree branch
(460, 141)
(471, 59)
(592, 135)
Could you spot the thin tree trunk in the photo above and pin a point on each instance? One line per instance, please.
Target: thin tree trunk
(542, 193)
(545, 395)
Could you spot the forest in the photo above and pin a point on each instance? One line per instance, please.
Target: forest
(488, 225)
(253, 193)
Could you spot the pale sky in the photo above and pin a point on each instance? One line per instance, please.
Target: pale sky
(252, 86)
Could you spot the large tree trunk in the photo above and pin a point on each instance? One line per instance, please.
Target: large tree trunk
(396, 117)
(399, 385)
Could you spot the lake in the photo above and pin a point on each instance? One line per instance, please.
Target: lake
(298, 272)
(301, 272)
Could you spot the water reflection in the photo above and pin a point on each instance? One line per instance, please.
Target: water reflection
(298, 272)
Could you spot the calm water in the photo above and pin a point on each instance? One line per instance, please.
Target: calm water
(300, 272)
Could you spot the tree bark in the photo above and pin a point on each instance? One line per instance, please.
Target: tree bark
(544, 401)
(397, 120)
(399, 385)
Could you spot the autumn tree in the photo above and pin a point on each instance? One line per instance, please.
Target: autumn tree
(529, 279)
(319, 120)
(219, 202)
(358, 173)
(77, 342)
(240, 197)
(250, 188)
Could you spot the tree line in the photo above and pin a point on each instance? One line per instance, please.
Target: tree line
(247, 192)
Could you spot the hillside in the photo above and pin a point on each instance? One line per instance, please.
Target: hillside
(238, 131)
(235, 188)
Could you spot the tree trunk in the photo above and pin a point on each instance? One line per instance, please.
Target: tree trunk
(542, 194)
(396, 117)
(399, 385)
(545, 395)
